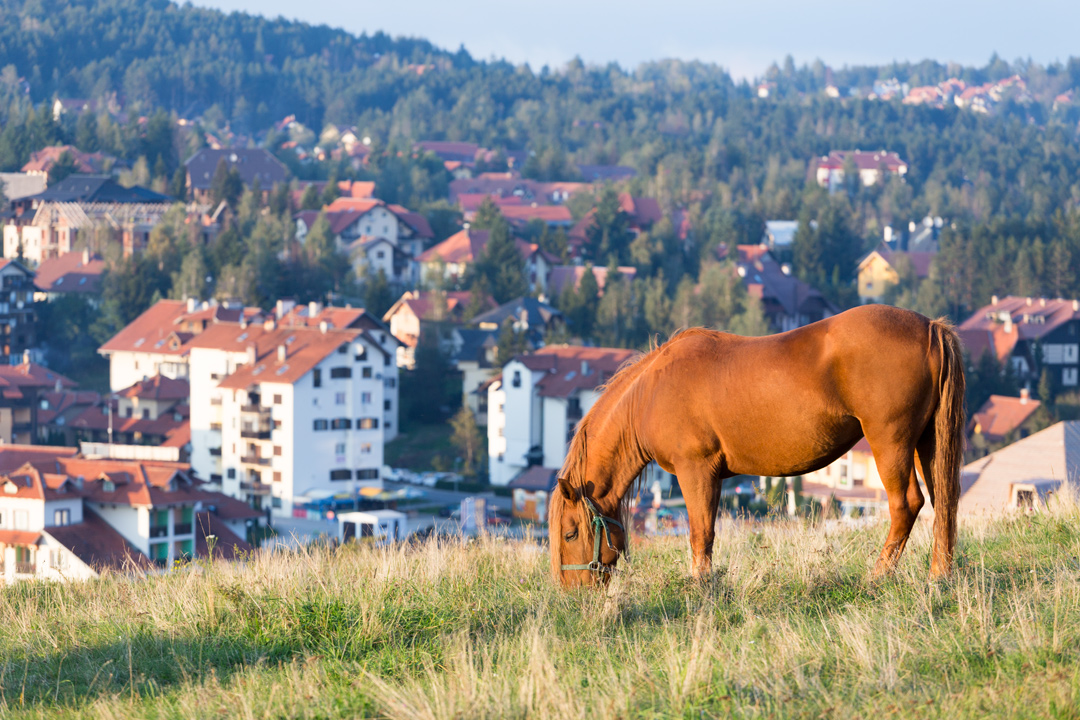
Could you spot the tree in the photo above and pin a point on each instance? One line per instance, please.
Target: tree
(509, 344)
(578, 304)
(468, 440)
(609, 233)
(501, 264)
(376, 292)
(309, 200)
(64, 166)
(424, 389)
(226, 185)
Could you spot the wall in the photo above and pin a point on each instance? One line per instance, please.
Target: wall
(132, 523)
(127, 368)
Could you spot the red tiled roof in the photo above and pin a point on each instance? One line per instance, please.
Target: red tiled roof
(1000, 415)
(158, 388)
(30, 375)
(864, 160)
(547, 213)
(14, 456)
(415, 220)
(19, 537)
(86, 163)
(97, 418)
(1029, 319)
(166, 327)
(69, 273)
(461, 247)
(535, 478)
(353, 204)
(178, 436)
(98, 545)
(571, 368)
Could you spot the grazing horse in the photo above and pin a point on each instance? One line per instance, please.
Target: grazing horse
(708, 405)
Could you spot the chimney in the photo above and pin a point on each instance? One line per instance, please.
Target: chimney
(1029, 301)
(284, 307)
(251, 354)
(1025, 395)
(1076, 305)
(191, 305)
(243, 320)
(1042, 302)
(993, 299)
(1008, 324)
(282, 353)
(323, 327)
(26, 357)
(59, 385)
(270, 324)
(86, 256)
(312, 309)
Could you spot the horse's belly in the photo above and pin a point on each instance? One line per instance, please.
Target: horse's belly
(790, 451)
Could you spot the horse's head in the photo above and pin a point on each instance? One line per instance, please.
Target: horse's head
(586, 541)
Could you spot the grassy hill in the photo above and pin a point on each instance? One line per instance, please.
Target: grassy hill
(790, 627)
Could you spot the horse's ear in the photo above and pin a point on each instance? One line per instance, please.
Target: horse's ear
(569, 491)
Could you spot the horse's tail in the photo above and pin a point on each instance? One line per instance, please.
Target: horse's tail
(949, 445)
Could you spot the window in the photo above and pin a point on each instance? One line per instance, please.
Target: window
(339, 449)
(276, 502)
(341, 474)
(365, 448)
(367, 474)
(516, 382)
(386, 360)
(381, 254)
(341, 424)
(316, 377)
(277, 477)
(361, 353)
(339, 398)
(277, 399)
(62, 517)
(321, 424)
(368, 423)
(341, 372)
(386, 404)
(231, 473)
(343, 349)
(366, 372)
(1, 518)
(391, 382)
(365, 398)
(1069, 377)
(277, 450)
(146, 414)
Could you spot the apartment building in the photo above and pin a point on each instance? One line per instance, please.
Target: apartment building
(66, 517)
(17, 322)
(281, 410)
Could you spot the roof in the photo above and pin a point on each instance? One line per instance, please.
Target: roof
(305, 348)
(536, 313)
(97, 418)
(77, 272)
(642, 210)
(766, 280)
(550, 214)
(563, 276)
(98, 545)
(30, 482)
(42, 161)
(460, 151)
(158, 388)
(97, 189)
(20, 185)
(19, 537)
(1044, 459)
(572, 368)
(535, 478)
(422, 304)
(920, 261)
(167, 326)
(474, 344)
(1000, 415)
(252, 164)
(998, 327)
(417, 222)
(228, 545)
(13, 456)
(464, 246)
(30, 375)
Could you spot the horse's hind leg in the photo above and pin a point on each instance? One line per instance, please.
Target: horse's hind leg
(895, 464)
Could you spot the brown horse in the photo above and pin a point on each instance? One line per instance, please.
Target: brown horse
(707, 405)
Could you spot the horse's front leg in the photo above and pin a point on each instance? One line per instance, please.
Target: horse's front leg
(702, 493)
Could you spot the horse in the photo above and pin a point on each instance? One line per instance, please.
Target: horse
(707, 405)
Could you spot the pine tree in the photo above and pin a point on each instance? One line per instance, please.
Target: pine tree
(468, 440)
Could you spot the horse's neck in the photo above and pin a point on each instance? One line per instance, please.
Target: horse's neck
(616, 459)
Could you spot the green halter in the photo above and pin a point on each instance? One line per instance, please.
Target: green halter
(600, 525)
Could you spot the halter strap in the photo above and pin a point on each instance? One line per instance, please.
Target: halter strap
(600, 525)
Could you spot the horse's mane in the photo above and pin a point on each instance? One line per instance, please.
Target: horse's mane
(573, 468)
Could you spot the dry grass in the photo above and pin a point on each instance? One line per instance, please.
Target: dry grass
(789, 627)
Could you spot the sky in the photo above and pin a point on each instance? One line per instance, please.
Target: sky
(743, 37)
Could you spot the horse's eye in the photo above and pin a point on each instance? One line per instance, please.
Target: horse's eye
(571, 535)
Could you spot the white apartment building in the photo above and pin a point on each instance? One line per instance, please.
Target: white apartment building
(534, 408)
(280, 411)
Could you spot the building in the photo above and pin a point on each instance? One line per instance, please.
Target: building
(530, 493)
(534, 407)
(280, 411)
(253, 164)
(474, 353)
(450, 259)
(1022, 476)
(22, 389)
(1001, 416)
(877, 271)
(1031, 334)
(787, 302)
(42, 161)
(74, 273)
(417, 312)
(152, 413)
(57, 408)
(869, 164)
(16, 186)
(852, 481)
(66, 517)
(18, 327)
(527, 315)
(510, 188)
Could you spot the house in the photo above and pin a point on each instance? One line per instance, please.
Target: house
(530, 493)
(282, 413)
(416, 310)
(852, 480)
(869, 164)
(77, 273)
(451, 257)
(534, 408)
(563, 277)
(787, 302)
(527, 315)
(877, 271)
(56, 228)
(519, 216)
(462, 152)
(66, 517)
(473, 354)
(1031, 334)
(22, 388)
(56, 410)
(18, 334)
(1001, 416)
(253, 164)
(42, 161)
(510, 188)
(1023, 475)
(641, 212)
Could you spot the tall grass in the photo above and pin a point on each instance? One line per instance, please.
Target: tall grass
(790, 626)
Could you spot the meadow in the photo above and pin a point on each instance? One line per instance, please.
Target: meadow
(790, 626)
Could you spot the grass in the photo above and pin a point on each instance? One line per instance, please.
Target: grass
(788, 627)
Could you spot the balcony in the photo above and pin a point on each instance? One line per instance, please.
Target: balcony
(159, 531)
(25, 568)
(215, 452)
(182, 529)
(255, 409)
(261, 433)
(255, 488)
(215, 401)
(254, 460)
